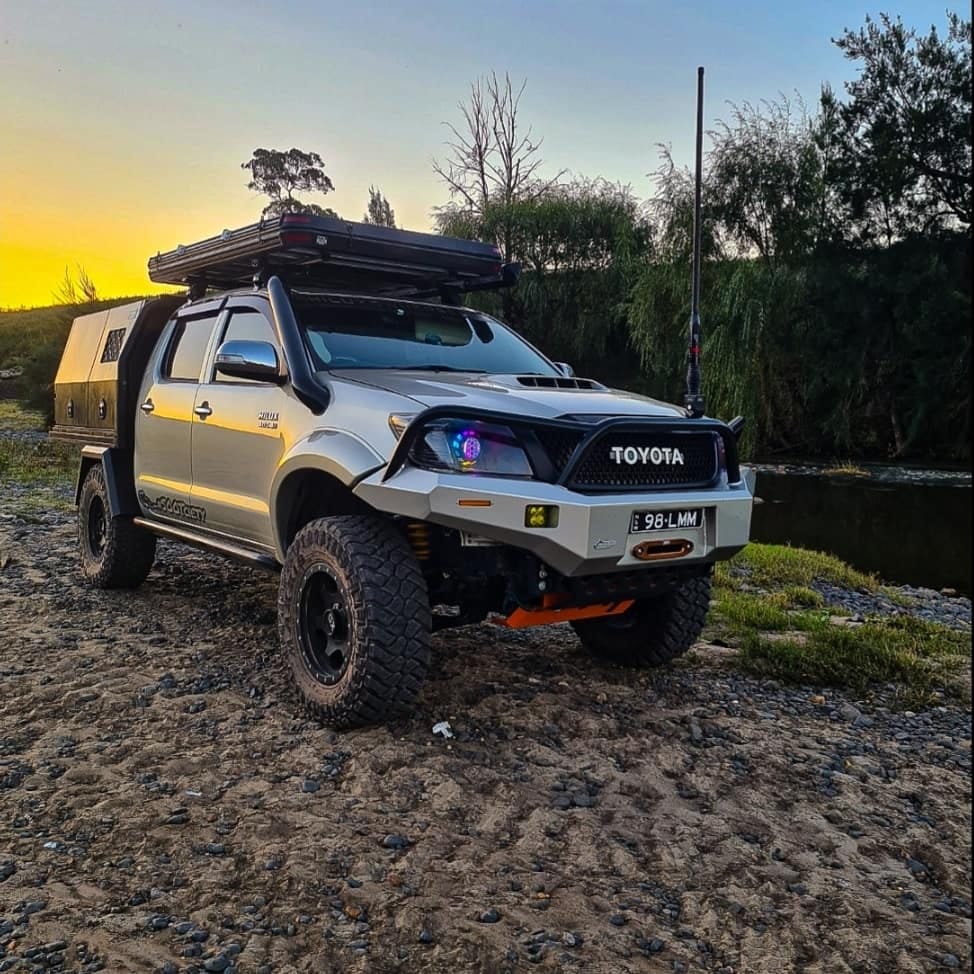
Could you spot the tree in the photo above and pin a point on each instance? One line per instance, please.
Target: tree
(379, 213)
(280, 174)
(836, 243)
(762, 211)
(766, 181)
(580, 244)
(492, 159)
(908, 127)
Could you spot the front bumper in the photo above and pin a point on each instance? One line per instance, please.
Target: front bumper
(592, 536)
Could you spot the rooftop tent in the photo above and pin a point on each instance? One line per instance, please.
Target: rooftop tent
(326, 252)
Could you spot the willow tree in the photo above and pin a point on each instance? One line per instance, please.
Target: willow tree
(762, 193)
(580, 245)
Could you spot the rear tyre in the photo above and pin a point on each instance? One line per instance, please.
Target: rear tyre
(654, 631)
(354, 620)
(115, 553)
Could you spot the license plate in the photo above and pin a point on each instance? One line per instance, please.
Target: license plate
(666, 520)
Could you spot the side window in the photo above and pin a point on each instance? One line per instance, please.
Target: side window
(187, 348)
(246, 325)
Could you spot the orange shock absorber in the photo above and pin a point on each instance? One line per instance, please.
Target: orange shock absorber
(419, 538)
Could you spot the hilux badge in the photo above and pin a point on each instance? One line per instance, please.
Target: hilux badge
(657, 455)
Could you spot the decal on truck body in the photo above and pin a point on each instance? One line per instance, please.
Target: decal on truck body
(173, 507)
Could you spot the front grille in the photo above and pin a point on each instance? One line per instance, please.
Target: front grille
(559, 444)
(644, 459)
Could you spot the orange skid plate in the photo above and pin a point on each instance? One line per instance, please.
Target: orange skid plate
(551, 611)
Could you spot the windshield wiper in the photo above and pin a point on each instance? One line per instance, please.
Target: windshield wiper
(433, 368)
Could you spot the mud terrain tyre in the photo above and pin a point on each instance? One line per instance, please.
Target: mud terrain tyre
(115, 553)
(353, 618)
(654, 631)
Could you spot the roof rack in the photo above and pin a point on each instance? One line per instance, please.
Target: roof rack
(326, 252)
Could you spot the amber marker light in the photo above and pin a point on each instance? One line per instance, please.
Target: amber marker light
(475, 502)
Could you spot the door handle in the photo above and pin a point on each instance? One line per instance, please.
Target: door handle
(203, 410)
(147, 406)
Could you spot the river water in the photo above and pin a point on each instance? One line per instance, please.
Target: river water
(911, 527)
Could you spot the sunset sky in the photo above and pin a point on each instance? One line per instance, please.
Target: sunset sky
(123, 124)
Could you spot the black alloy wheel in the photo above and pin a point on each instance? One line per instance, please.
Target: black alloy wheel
(115, 552)
(97, 527)
(354, 619)
(323, 625)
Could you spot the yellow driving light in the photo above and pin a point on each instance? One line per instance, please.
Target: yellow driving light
(541, 516)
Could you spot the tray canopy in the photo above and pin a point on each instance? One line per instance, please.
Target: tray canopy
(334, 254)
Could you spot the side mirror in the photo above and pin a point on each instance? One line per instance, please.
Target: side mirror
(249, 360)
(565, 369)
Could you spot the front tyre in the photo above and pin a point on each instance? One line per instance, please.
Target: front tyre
(654, 631)
(353, 619)
(115, 553)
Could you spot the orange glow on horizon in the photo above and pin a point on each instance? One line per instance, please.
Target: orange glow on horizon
(42, 237)
(30, 275)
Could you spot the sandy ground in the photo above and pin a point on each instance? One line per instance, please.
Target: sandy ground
(161, 791)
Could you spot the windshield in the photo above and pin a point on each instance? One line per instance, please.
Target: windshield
(391, 335)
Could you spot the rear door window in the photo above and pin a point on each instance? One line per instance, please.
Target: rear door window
(187, 348)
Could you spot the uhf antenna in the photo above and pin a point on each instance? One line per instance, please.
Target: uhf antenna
(694, 398)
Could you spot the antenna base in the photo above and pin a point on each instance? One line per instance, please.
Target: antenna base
(694, 406)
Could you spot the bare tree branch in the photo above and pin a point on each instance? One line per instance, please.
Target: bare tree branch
(492, 159)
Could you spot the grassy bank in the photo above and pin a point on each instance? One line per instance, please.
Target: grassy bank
(32, 461)
(766, 605)
(24, 333)
(44, 462)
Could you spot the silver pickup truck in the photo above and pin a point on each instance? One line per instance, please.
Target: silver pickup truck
(324, 405)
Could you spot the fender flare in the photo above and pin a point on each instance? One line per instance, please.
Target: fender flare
(339, 454)
(116, 465)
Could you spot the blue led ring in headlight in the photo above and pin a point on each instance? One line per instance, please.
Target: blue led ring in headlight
(466, 446)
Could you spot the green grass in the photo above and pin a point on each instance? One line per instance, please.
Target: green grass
(774, 567)
(802, 595)
(743, 613)
(46, 462)
(917, 655)
(14, 416)
(24, 333)
(763, 601)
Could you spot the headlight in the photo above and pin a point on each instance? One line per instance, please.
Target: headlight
(464, 446)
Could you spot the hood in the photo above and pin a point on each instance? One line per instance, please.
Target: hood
(508, 394)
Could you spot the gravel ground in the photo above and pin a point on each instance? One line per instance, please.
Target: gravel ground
(165, 806)
(924, 603)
